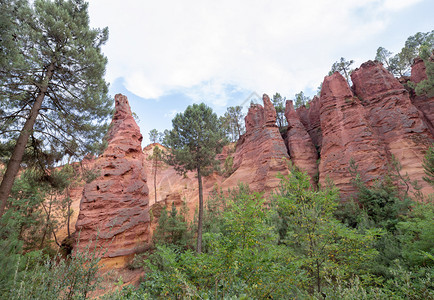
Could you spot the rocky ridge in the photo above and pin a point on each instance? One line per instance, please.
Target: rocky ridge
(369, 123)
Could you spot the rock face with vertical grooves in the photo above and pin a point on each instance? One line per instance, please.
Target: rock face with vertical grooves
(310, 118)
(301, 149)
(393, 118)
(347, 135)
(115, 205)
(260, 153)
(423, 103)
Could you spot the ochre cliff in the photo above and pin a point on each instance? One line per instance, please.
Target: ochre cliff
(371, 122)
(347, 136)
(393, 118)
(114, 207)
(260, 153)
(310, 118)
(423, 103)
(300, 147)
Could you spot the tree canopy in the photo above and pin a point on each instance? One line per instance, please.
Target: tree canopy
(400, 63)
(279, 103)
(53, 94)
(343, 66)
(232, 122)
(192, 144)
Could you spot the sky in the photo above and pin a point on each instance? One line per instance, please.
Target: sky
(166, 55)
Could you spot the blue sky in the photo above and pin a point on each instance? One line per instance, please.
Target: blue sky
(166, 55)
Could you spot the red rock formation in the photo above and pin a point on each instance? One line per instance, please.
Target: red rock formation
(347, 136)
(424, 104)
(115, 205)
(260, 153)
(301, 149)
(310, 118)
(270, 114)
(394, 119)
(418, 71)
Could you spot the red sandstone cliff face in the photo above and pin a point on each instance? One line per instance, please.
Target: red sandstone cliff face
(173, 187)
(310, 118)
(260, 153)
(301, 149)
(370, 126)
(347, 135)
(394, 119)
(115, 205)
(424, 104)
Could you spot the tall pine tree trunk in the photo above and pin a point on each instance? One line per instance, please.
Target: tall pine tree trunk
(200, 221)
(17, 155)
(68, 218)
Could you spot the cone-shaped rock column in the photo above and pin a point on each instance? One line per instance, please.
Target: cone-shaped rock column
(114, 207)
(260, 153)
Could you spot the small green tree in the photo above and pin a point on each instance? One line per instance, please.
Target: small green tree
(172, 229)
(383, 55)
(232, 123)
(192, 145)
(300, 100)
(155, 136)
(415, 232)
(279, 103)
(343, 66)
(156, 157)
(325, 246)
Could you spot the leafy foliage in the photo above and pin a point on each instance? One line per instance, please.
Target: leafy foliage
(75, 110)
(400, 63)
(232, 123)
(194, 140)
(301, 99)
(52, 93)
(172, 229)
(324, 246)
(279, 103)
(343, 66)
(426, 87)
(428, 165)
(35, 275)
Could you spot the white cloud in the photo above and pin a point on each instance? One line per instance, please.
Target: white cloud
(202, 47)
(399, 4)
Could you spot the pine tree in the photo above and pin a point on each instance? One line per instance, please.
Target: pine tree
(279, 103)
(343, 66)
(192, 145)
(156, 157)
(53, 92)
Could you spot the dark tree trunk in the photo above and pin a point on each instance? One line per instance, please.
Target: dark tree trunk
(200, 221)
(17, 155)
(47, 222)
(68, 217)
